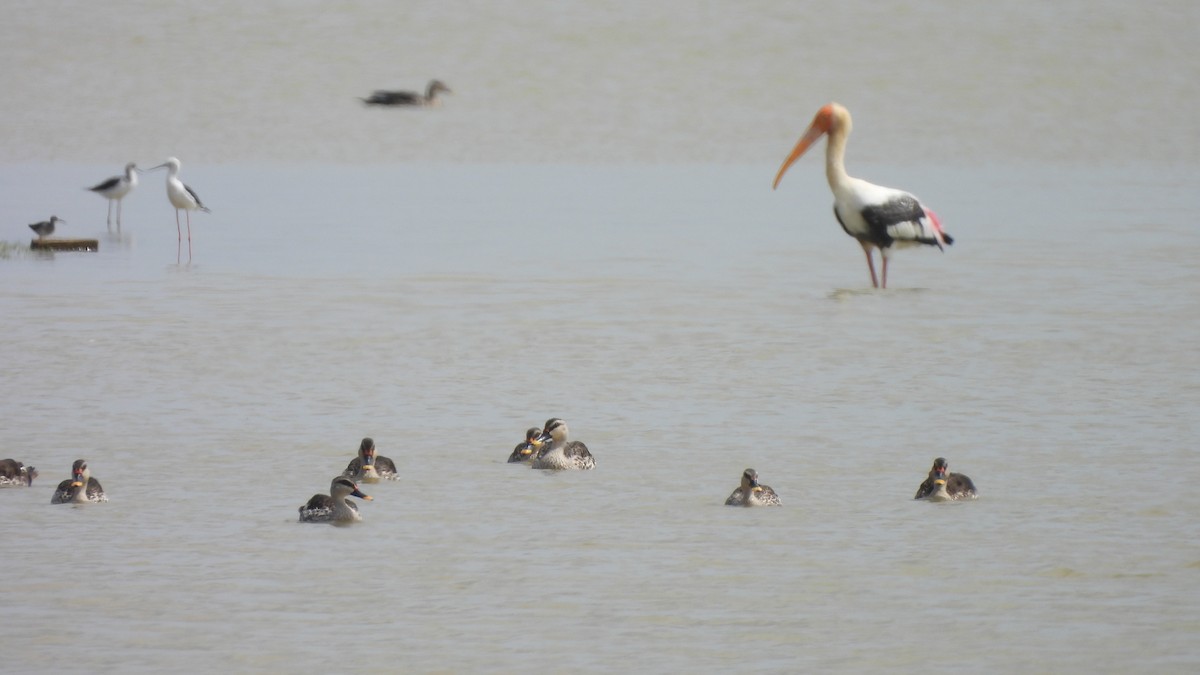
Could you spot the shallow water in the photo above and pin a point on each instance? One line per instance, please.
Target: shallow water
(212, 399)
(685, 320)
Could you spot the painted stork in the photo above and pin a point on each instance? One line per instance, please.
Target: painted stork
(878, 217)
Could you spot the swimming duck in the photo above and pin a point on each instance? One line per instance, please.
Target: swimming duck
(114, 190)
(528, 449)
(369, 468)
(334, 507)
(561, 453)
(80, 488)
(13, 472)
(385, 97)
(751, 493)
(952, 485)
(46, 227)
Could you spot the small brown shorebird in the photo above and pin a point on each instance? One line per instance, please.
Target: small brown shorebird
(46, 227)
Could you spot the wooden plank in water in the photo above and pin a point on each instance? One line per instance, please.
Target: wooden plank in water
(65, 245)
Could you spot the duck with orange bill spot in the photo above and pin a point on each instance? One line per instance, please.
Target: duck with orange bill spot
(369, 467)
(753, 493)
(334, 507)
(527, 449)
(943, 486)
(80, 488)
(558, 452)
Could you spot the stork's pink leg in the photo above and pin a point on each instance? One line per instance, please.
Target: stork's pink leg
(885, 263)
(871, 264)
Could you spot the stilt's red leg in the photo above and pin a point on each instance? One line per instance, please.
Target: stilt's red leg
(871, 265)
(885, 264)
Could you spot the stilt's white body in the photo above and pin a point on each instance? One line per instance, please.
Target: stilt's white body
(181, 197)
(114, 190)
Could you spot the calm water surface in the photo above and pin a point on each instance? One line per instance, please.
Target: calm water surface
(602, 246)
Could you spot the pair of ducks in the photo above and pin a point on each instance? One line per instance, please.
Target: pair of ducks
(551, 448)
(939, 486)
(367, 467)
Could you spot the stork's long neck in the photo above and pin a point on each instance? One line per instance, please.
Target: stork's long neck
(835, 158)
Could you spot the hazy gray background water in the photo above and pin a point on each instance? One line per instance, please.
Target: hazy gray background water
(585, 229)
